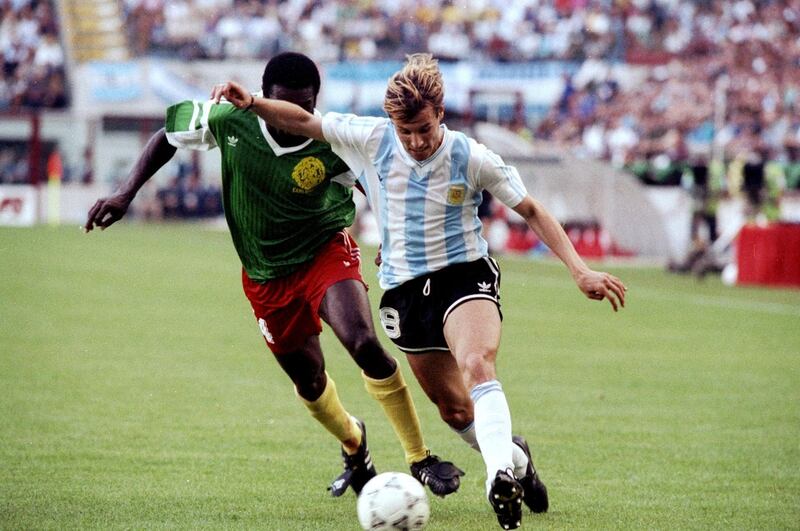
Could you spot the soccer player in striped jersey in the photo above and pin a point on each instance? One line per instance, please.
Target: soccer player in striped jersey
(441, 304)
(287, 202)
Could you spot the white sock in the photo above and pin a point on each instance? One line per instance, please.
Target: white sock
(493, 428)
(520, 461)
(518, 456)
(468, 435)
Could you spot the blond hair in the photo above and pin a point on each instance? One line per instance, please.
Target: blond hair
(416, 86)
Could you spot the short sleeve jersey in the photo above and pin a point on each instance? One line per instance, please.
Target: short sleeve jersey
(427, 211)
(281, 204)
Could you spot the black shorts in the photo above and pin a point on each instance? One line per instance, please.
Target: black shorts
(413, 314)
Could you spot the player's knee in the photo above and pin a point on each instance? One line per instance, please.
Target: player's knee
(357, 338)
(372, 358)
(366, 347)
(310, 386)
(456, 416)
(478, 366)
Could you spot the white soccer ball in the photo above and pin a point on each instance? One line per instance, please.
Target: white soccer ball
(729, 274)
(393, 500)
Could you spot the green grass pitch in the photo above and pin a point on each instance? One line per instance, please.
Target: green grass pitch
(136, 392)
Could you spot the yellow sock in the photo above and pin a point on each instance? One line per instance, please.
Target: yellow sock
(395, 399)
(328, 411)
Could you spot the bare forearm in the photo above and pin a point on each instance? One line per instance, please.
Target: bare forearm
(552, 234)
(156, 153)
(281, 114)
(108, 210)
(550, 231)
(288, 117)
(595, 285)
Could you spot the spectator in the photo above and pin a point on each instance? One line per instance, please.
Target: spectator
(187, 197)
(49, 53)
(754, 183)
(704, 202)
(14, 164)
(32, 58)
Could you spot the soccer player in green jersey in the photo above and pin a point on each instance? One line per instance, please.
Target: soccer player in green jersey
(287, 201)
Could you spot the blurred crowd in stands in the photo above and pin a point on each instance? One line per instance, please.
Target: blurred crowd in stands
(13, 164)
(184, 195)
(660, 121)
(474, 30)
(495, 30)
(32, 73)
(187, 196)
(724, 86)
(703, 93)
(742, 57)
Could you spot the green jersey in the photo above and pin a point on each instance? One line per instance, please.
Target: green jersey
(281, 203)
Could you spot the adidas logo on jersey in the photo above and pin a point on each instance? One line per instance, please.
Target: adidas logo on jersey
(484, 287)
(232, 141)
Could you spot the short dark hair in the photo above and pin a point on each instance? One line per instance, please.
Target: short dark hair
(291, 70)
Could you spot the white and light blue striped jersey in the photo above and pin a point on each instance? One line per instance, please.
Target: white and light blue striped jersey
(427, 212)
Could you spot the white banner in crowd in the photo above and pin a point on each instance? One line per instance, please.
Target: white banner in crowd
(25, 205)
(147, 86)
(18, 205)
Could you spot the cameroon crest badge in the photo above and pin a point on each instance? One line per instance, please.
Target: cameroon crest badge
(308, 173)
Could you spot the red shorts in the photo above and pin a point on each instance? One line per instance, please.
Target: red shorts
(287, 308)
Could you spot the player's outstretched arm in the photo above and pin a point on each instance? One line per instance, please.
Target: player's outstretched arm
(284, 115)
(594, 284)
(109, 210)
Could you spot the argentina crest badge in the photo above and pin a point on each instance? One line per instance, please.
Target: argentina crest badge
(456, 194)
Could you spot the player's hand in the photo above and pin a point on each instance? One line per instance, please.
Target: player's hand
(378, 257)
(234, 93)
(107, 211)
(598, 286)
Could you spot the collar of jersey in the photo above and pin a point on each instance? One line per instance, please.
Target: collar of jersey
(421, 163)
(277, 148)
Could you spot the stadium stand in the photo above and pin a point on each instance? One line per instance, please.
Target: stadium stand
(669, 113)
(656, 121)
(700, 96)
(96, 29)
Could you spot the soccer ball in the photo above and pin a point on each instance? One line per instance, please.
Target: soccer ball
(393, 500)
